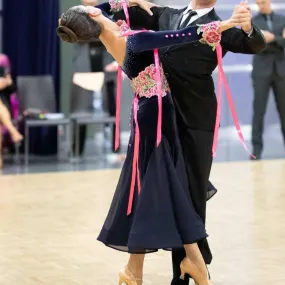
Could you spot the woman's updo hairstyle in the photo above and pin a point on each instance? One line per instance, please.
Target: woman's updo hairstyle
(77, 26)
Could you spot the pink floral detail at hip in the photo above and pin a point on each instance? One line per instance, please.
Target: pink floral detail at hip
(145, 84)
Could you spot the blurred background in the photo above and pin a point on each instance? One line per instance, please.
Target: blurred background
(61, 97)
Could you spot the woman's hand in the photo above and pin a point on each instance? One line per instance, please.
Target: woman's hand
(241, 17)
(145, 5)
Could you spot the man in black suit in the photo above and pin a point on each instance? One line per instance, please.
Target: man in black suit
(268, 71)
(188, 69)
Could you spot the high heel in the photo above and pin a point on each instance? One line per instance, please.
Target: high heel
(188, 267)
(126, 277)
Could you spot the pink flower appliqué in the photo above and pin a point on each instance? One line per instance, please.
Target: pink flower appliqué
(210, 34)
(117, 5)
(145, 84)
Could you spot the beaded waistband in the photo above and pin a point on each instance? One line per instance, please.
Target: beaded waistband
(145, 84)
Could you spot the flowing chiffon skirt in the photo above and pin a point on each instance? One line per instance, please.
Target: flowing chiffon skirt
(163, 216)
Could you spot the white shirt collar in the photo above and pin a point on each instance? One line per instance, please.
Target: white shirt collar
(200, 12)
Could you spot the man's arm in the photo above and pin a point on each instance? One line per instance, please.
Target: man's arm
(139, 18)
(237, 41)
(160, 39)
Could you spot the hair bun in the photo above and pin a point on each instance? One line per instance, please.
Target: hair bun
(66, 34)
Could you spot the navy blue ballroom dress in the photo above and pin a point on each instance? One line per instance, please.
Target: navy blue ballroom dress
(163, 216)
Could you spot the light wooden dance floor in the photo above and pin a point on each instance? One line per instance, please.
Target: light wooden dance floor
(49, 224)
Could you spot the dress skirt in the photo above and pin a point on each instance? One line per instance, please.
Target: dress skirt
(163, 216)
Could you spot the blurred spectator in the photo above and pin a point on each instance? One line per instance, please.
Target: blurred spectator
(268, 71)
(90, 58)
(8, 104)
(8, 96)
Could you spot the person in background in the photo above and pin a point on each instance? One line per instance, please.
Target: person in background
(268, 71)
(7, 89)
(89, 57)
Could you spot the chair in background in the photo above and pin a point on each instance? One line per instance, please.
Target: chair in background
(82, 114)
(37, 92)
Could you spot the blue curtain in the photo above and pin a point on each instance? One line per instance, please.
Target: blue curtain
(29, 37)
(30, 41)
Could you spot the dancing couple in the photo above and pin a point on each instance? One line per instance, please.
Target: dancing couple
(160, 199)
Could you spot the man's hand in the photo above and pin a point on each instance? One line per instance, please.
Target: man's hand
(145, 5)
(242, 17)
(269, 37)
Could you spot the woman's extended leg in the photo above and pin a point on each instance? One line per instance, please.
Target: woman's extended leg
(133, 272)
(5, 120)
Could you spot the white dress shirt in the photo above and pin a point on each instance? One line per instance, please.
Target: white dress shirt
(200, 13)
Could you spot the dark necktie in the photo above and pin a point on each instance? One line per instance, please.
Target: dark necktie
(269, 22)
(191, 13)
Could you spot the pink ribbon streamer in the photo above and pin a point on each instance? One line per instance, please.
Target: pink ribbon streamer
(222, 79)
(125, 8)
(219, 100)
(135, 167)
(159, 95)
(135, 164)
(118, 108)
(119, 96)
(119, 89)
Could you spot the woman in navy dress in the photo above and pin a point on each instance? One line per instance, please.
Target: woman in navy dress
(151, 208)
